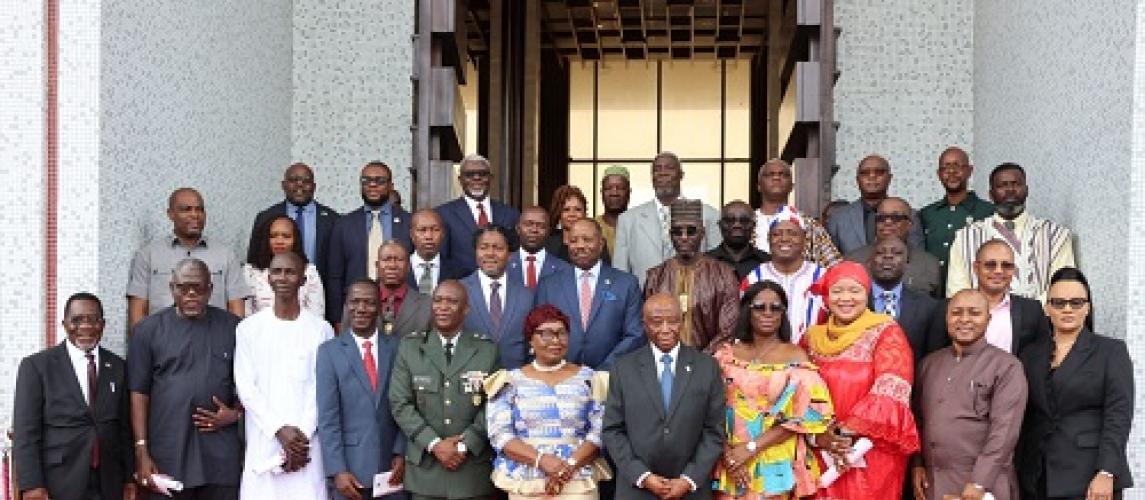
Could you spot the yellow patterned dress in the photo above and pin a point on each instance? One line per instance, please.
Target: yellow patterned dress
(763, 395)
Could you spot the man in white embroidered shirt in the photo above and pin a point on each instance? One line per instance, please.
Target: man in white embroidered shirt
(668, 454)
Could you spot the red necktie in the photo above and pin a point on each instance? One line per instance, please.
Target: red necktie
(531, 271)
(482, 217)
(370, 364)
(91, 386)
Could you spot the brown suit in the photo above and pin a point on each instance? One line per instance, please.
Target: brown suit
(713, 302)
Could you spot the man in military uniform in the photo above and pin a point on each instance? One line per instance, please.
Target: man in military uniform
(436, 397)
(960, 206)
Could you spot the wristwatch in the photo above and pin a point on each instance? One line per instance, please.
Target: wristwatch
(751, 446)
(461, 448)
(571, 461)
(1106, 474)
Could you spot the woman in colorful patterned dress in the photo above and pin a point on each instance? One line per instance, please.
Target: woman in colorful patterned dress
(775, 398)
(277, 235)
(544, 419)
(867, 363)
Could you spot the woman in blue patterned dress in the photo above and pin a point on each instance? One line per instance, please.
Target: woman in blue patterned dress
(544, 419)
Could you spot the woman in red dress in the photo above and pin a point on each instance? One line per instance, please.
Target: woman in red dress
(867, 363)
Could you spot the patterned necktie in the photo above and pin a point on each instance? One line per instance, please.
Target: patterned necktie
(92, 378)
(370, 364)
(531, 271)
(373, 242)
(448, 351)
(890, 303)
(425, 282)
(585, 298)
(495, 305)
(482, 217)
(300, 221)
(666, 380)
(665, 241)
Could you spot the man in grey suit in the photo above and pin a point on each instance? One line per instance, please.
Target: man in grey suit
(642, 240)
(893, 219)
(401, 308)
(668, 454)
(498, 305)
(355, 425)
(853, 226)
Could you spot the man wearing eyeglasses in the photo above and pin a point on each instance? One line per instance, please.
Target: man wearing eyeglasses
(705, 287)
(356, 237)
(315, 221)
(472, 210)
(736, 227)
(1015, 321)
(893, 217)
(64, 446)
(183, 401)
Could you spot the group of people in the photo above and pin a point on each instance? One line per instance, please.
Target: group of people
(666, 350)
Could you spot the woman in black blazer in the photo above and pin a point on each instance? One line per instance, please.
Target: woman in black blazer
(1080, 405)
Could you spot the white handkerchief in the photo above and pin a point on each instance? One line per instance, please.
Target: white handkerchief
(382, 484)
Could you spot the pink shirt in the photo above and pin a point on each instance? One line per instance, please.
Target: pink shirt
(1000, 332)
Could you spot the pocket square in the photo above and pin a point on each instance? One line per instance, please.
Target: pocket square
(608, 296)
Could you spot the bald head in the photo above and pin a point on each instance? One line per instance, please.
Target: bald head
(662, 319)
(967, 316)
(954, 170)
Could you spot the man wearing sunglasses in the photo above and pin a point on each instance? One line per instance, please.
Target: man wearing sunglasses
(315, 221)
(1015, 321)
(893, 218)
(736, 226)
(472, 210)
(357, 236)
(705, 287)
(853, 226)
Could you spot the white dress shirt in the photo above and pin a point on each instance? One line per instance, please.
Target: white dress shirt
(415, 262)
(578, 272)
(487, 288)
(79, 364)
(473, 208)
(540, 263)
(373, 339)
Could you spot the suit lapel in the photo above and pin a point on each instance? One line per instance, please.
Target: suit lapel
(461, 209)
(462, 351)
(648, 373)
(858, 224)
(603, 287)
(386, 344)
(650, 222)
(1015, 321)
(107, 372)
(64, 365)
(478, 306)
(1077, 357)
(410, 305)
(354, 358)
(432, 350)
(681, 379)
(1040, 352)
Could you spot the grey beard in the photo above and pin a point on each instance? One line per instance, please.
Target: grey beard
(1010, 210)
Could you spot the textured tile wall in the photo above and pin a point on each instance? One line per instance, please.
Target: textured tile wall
(190, 96)
(1135, 257)
(21, 168)
(904, 91)
(1060, 106)
(353, 99)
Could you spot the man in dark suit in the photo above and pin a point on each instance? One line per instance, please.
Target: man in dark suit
(893, 218)
(358, 235)
(401, 308)
(921, 316)
(531, 262)
(354, 419)
(472, 210)
(497, 305)
(853, 226)
(314, 220)
(1015, 321)
(427, 267)
(602, 302)
(72, 422)
(669, 454)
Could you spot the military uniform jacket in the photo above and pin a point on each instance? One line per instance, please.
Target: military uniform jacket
(433, 399)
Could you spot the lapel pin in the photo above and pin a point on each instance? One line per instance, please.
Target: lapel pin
(398, 220)
(688, 368)
(607, 281)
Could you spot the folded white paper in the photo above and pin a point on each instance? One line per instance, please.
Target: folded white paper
(165, 484)
(382, 485)
(854, 459)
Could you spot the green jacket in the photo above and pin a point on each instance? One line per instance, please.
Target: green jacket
(431, 399)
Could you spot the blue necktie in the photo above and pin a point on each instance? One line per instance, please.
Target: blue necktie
(666, 380)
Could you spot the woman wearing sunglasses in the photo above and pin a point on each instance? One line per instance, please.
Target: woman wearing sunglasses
(544, 419)
(1081, 402)
(775, 397)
